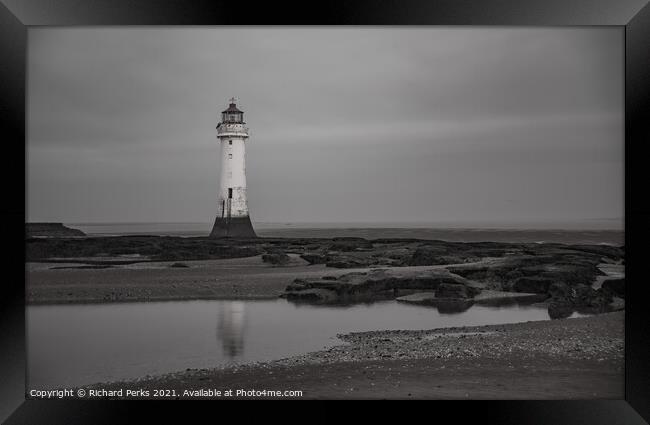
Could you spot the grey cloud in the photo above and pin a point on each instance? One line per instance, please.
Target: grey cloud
(348, 124)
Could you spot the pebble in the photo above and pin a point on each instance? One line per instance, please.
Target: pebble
(596, 337)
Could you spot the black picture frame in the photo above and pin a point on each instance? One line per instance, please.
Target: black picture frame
(16, 16)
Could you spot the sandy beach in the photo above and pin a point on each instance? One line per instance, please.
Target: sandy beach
(239, 278)
(562, 359)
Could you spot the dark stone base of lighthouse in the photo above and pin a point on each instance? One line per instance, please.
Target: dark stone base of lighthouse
(234, 227)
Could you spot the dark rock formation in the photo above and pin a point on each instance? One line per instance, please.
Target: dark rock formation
(558, 310)
(349, 244)
(609, 251)
(376, 283)
(428, 256)
(313, 295)
(179, 265)
(314, 258)
(455, 290)
(52, 230)
(533, 285)
(562, 274)
(574, 274)
(565, 299)
(277, 258)
(346, 262)
(534, 273)
(581, 295)
(615, 287)
(149, 248)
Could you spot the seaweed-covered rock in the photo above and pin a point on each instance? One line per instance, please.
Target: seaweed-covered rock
(51, 230)
(535, 285)
(565, 299)
(276, 258)
(428, 256)
(585, 295)
(346, 262)
(560, 310)
(379, 282)
(314, 258)
(615, 287)
(312, 295)
(613, 252)
(573, 274)
(559, 290)
(349, 244)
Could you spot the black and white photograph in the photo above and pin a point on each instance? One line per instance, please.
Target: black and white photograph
(381, 212)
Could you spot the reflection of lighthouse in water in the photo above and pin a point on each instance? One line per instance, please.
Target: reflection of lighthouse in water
(231, 322)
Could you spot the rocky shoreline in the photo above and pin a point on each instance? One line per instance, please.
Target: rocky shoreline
(337, 270)
(51, 230)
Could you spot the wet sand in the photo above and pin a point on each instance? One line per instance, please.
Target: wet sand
(239, 278)
(246, 278)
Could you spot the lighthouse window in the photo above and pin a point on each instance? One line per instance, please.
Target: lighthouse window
(230, 142)
(229, 156)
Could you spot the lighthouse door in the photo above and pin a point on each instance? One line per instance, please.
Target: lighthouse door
(229, 202)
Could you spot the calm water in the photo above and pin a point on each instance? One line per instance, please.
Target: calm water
(589, 232)
(71, 345)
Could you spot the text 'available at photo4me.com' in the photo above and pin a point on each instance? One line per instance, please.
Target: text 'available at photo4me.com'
(207, 393)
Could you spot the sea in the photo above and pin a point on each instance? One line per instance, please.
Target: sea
(588, 232)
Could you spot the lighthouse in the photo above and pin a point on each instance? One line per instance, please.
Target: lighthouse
(232, 204)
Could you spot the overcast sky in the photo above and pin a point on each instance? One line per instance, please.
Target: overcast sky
(348, 124)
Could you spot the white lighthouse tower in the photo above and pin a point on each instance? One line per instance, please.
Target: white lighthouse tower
(232, 204)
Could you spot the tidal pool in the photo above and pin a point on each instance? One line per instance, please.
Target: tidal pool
(73, 345)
